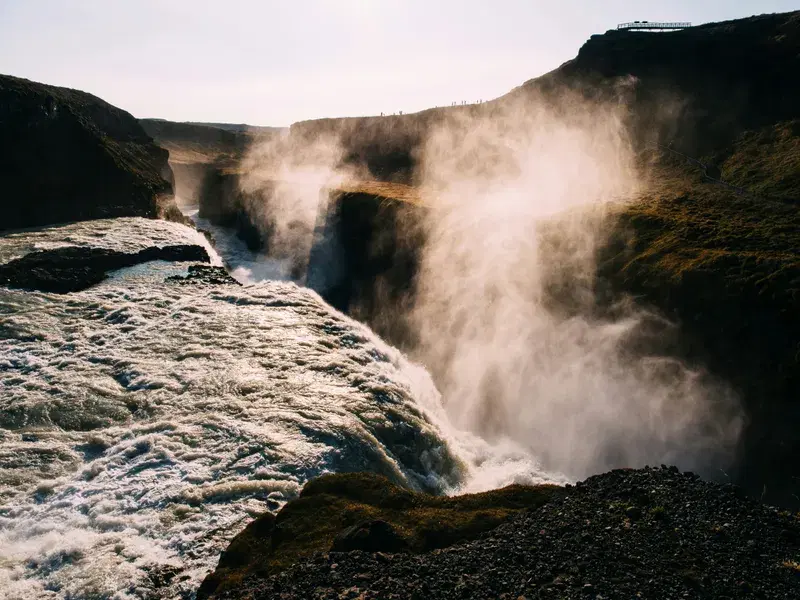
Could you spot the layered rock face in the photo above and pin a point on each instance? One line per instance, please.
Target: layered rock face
(70, 156)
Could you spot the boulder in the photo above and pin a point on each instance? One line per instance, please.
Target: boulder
(204, 274)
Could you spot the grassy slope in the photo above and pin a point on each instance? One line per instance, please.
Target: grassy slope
(726, 267)
(332, 503)
(765, 161)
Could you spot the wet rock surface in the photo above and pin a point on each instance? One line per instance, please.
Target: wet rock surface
(649, 533)
(73, 269)
(203, 274)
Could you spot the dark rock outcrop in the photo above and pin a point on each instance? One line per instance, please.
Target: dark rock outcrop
(370, 536)
(70, 156)
(383, 148)
(365, 251)
(203, 274)
(73, 269)
(365, 259)
(223, 203)
(650, 533)
(699, 87)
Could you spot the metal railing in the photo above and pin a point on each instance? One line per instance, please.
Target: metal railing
(653, 25)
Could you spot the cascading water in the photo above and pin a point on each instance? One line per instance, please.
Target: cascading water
(143, 423)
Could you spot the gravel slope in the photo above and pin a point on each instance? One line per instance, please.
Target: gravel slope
(650, 533)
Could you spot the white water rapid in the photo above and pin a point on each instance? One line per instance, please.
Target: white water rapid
(143, 423)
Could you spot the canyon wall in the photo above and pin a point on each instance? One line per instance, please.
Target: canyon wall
(70, 156)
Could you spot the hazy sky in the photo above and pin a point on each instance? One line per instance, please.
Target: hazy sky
(272, 62)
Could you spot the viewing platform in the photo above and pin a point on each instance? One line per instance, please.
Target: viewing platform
(652, 26)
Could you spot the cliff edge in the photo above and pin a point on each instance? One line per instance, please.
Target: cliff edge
(70, 156)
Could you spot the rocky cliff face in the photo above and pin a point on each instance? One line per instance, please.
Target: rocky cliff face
(703, 86)
(201, 154)
(365, 259)
(699, 88)
(712, 242)
(70, 156)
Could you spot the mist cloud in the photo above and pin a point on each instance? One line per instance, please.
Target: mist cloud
(506, 309)
(520, 196)
(286, 183)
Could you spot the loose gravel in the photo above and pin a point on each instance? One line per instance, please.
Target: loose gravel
(649, 533)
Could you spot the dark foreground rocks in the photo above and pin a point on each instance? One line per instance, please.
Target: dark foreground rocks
(649, 533)
(70, 156)
(363, 512)
(72, 269)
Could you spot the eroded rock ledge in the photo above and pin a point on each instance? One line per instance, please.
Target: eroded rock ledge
(361, 512)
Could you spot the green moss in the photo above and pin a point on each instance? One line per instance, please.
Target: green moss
(766, 161)
(725, 266)
(331, 503)
(658, 512)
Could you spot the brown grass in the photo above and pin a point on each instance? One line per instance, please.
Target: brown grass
(391, 191)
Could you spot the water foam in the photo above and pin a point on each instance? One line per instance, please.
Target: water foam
(143, 423)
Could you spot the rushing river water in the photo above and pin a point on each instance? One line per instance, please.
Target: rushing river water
(143, 423)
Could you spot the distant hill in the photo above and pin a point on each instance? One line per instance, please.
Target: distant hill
(190, 143)
(239, 127)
